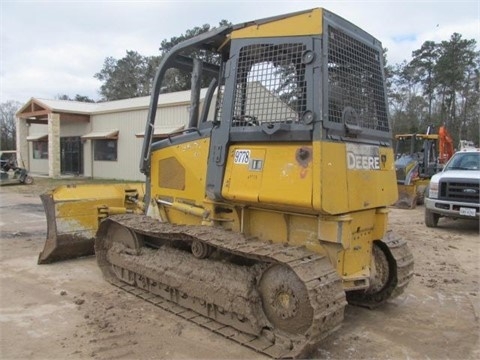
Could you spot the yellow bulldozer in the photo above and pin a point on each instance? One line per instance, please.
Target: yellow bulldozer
(262, 222)
(417, 158)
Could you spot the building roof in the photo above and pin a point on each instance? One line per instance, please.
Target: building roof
(77, 107)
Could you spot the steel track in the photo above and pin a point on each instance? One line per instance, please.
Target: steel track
(323, 285)
(401, 261)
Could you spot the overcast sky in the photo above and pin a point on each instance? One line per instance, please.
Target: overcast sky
(55, 47)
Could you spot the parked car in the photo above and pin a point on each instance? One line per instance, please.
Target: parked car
(455, 191)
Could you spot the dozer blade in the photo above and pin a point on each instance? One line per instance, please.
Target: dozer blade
(407, 197)
(74, 212)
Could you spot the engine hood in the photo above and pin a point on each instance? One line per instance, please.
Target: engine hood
(456, 174)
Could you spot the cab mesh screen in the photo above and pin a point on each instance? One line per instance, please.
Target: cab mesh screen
(355, 82)
(270, 84)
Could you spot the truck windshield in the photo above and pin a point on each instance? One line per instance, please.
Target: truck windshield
(464, 161)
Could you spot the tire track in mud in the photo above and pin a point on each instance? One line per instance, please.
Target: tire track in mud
(119, 325)
(119, 346)
(438, 267)
(110, 325)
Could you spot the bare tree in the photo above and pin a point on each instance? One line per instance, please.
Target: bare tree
(7, 124)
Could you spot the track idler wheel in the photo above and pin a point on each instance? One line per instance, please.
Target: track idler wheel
(380, 270)
(285, 300)
(109, 234)
(121, 235)
(201, 250)
(382, 282)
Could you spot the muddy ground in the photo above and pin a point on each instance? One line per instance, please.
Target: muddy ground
(66, 310)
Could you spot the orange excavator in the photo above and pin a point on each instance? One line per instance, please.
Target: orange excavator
(445, 146)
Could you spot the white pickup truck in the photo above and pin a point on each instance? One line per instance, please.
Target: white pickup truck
(455, 191)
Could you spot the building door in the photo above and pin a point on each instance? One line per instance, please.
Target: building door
(71, 155)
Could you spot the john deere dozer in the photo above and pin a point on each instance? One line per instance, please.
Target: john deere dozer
(261, 222)
(418, 158)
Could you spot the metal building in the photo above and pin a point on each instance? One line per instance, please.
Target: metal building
(98, 140)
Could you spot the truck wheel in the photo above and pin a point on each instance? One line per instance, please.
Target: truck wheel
(431, 218)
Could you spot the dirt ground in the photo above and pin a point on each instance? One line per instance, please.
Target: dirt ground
(66, 310)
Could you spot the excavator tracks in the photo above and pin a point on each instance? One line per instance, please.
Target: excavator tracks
(281, 319)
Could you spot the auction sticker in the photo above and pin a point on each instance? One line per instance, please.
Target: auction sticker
(241, 156)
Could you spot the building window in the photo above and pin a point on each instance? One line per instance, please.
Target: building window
(40, 149)
(105, 150)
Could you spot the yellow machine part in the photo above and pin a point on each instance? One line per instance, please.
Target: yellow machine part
(353, 177)
(75, 211)
(409, 196)
(345, 239)
(305, 23)
(178, 179)
(278, 179)
(275, 186)
(282, 176)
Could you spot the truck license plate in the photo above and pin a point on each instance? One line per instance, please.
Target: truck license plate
(467, 211)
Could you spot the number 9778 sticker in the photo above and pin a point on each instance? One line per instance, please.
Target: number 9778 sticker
(241, 157)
